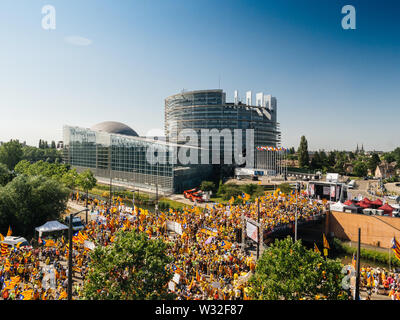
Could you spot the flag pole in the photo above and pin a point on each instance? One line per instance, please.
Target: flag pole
(258, 228)
(357, 294)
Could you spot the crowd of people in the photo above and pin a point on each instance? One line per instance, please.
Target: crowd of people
(380, 281)
(206, 248)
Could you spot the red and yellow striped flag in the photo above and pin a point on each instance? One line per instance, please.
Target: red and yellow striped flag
(326, 244)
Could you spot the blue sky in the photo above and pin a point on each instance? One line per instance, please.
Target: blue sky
(337, 87)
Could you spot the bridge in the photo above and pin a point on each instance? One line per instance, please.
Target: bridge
(308, 230)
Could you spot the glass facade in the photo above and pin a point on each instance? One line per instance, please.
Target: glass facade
(207, 109)
(124, 159)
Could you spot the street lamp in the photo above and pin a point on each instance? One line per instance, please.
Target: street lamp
(70, 252)
(295, 217)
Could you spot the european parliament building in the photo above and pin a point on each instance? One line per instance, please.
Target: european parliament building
(115, 152)
(208, 109)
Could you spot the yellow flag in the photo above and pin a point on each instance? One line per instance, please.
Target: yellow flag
(9, 232)
(27, 294)
(326, 244)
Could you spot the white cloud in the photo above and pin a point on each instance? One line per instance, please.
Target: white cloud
(78, 41)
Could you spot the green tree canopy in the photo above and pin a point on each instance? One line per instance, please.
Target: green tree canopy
(207, 186)
(5, 175)
(132, 268)
(28, 202)
(11, 153)
(302, 151)
(360, 169)
(373, 162)
(288, 270)
(86, 180)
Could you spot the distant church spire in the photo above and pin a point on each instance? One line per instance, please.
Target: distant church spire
(357, 148)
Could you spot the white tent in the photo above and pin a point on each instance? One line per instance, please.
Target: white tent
(50, 226)
(338, 206)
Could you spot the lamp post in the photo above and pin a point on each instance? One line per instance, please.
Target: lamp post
(295, 217)
(357, 294)
(260, 238)
(70, 252)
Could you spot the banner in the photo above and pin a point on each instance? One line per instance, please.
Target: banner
(252, 231)
(178, 228)
(176, 278)
(171, 286)
(333, 191)
(89, 244)
(210, 231)
(174, 226)
(312, 189)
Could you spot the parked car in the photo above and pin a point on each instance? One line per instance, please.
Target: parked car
(351, 184)
(77, 223)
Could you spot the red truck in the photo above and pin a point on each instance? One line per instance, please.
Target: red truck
(193, 195)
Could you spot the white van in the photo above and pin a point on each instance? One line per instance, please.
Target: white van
(351, 184)
(13, 241)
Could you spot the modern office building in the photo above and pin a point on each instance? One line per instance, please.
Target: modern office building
(208, 109)
(115, 153)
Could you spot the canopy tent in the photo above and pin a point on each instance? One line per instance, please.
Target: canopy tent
(338, 206)
(387, 209)
(367, 201)
(51, 226)
(352, 208)
(377, 202)
(363, 204)
(348, 202)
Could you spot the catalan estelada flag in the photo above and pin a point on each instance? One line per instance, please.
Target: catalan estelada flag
(354, 261)
(326, 244)
(4, 249)
(9, 232)
(7, 265)
(63, 295)
(27, 294)
(396, 248)
(226, 244)
(316, 248)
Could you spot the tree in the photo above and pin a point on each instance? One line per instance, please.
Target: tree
(70, 179)
(86, 180)
(5, 175)
(132, 268)
(373, 162)
(11, 153)
(288, 270)
(285, 188)
(389, 157)
(332, 158)
(303, 153)
(207, 186)
(316, 161)
(28, 202)
(250, 188)
(360, 169)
